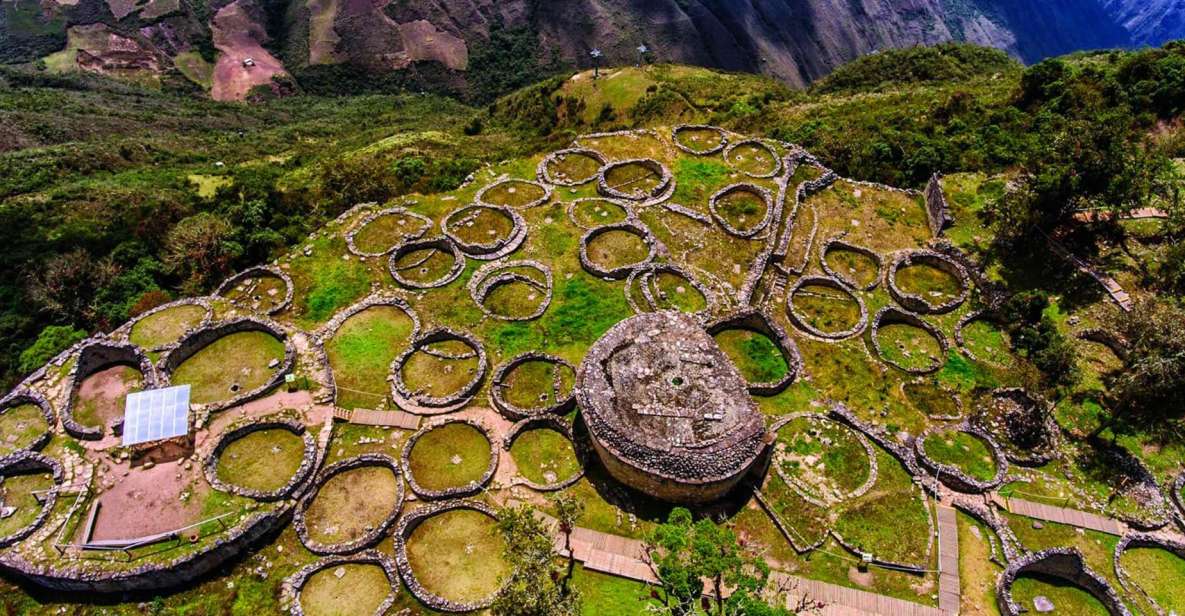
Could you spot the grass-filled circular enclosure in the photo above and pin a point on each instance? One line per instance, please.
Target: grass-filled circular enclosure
(363, 584)
(440, 372)
(512, 290)
(754, 158)
(362, 342)
(962, 457)
(450, 555)
(29, 484)
(450, 459)
(766, 356)
(571, 167)
(612, 251)
(906, 342)
(264, 460)
(1063, 578)
(485, 232)
(700, 140)
(380, 232)
(533, 384)
(742, 210)
(981, 338)
(544, 453)
(825, 308)
(856, 266)
(426, 263)
(823, 460)
(517, 194)
(165, 325)
(264, 290)
(666, 286)
(351, 506)
(927, 282)
(638, 179)
(1153, 566)
(928, 396)
(231, 362)
(594, 212)
(26, 421)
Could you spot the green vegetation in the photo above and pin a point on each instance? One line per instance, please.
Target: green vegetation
(441, 551)
(20, 425)
(964, 451)
(1066, 598)
(909, 346)
(230, 365)
(1159, 573)
(754, 354)
(544, 456)
(52, 340)
(166, 326)
(826, 308)
(265, 460)
(358, 591)
(450, 456)
(361, 353)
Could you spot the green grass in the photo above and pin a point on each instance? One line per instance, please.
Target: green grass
(609, 595)
(826, 309)
(361, 351)
(964, 451)
(439, 376)
(17, 491)
(929, 282)
(597, 212)
(697, 179)
(265, 460)
(166, 326)
(754, 354)
(450, 456)
(753, 159)
(986, 341)
(932, 399)
(384, 232)
(458, 555)
(1160, 573)
(335, 287)
(513, 193)
(19, 426)
(908, 346)
(822, 454)
(531, 384)
(544, 456)
(350, 503)
(1067, 598)
(617, 248)
(358, 592)
(854, 266)
(240, 358)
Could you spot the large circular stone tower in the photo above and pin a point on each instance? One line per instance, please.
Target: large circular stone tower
(667, 411)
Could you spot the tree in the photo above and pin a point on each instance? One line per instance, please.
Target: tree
(200, 249)
(67, 284)
(1153, 382)
(568, 509)
(1036, 336)
(52, 340)
(533, 587)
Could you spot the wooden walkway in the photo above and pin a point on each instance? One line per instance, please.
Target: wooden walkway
(366, 417)
(1061, 515)
(1136, 214)
(1116, 292)
(844, 601)
(948, 560)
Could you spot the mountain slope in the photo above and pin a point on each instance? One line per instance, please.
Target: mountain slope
(1150, 22)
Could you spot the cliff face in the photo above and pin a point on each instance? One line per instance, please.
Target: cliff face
(230, 47)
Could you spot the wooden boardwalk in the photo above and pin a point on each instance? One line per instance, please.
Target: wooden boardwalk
(1121, 297)
(367, 417)
(1061, 515)
(948, 560)
(1136, 214)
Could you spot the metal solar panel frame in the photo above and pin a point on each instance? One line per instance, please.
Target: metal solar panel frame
(156, 415)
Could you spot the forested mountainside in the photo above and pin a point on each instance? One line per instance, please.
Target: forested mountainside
(482, 48)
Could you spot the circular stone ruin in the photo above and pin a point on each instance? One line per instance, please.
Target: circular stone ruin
(742, 210)
(544, 452)
(798, 458)
(613, 251)
(904, 333)
(699, 139)
(927, 282)
(533, 384)
(754, 158)
(264, 290)
(263, 460)
(980, 337)
(352, 505)
(435, 547)
(361, 584)
(1159, 553)
(962, 457)
(438, 384)
(666, 412)
(512, 290)
(667, 286)
(453, 458)
(378, 233)
(592, 212)
(516, 194)
(485, 232)
(929, 397)
(1021, 424)
(856, 266)
(229, 363)
(426, 263)
(160, 328)
(639, 179)
(571, 167)
(756, 343)
(26, 422)
(1065, 565)
(828, 308)
(23, 476)
(105, 372)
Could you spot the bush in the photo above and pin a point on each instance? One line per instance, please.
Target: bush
(52, 340)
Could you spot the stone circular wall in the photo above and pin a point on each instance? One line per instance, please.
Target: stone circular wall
(425, 223)
(466, 490)
(24, 462)
(204, 303)
(544, 174)
(761, 193)
(890, 315)
(408, 525)
(754, 320)
(937, 260)
(800, 321)
(1167, 543)
(563, 405)
(682, 128)
(430, 405)
(200, 339)
(953, 476)
(442, 244)
(798, 487)
(98, 354)
(492, 275)
(967, 319)
(570, 211)
(370, 539)
(838, 243)
(480, 199)
(20, 397)
(261, 271)
(665, 180)
(617, 273)
(1039, 455)
(486, 251)
(544, 422)
(731, 149)
(295, 583)
(1066, 564)
(308, 460)
(642, 275)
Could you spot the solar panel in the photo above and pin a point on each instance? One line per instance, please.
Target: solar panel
(156, 414)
